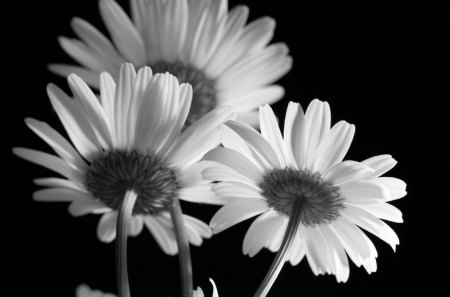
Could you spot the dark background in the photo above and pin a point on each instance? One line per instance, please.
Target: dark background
(381, 65)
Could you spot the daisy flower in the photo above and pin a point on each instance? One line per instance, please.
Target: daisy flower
(300, 186)
(129, 140)
(200, 42)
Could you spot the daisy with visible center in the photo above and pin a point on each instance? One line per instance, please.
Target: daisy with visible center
(309, 201)
(200, 42)
(130, 158)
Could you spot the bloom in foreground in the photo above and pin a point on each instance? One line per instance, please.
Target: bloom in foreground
(200, 42)
(263, 174)
(131, 139)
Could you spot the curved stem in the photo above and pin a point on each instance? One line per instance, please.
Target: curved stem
(184, 254)
(122, 225)
(280, 258)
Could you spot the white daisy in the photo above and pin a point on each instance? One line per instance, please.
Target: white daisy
(131, 139)
(200, 42)
(265, 174)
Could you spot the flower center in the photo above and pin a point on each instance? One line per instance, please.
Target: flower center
(113, 173)
(320, 201)
(204, 91)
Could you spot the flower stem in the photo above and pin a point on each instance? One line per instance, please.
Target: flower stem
(280, 258)
(122, 224)
(184, 254)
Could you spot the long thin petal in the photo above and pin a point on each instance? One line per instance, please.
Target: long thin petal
(271, 132)
(58, 143)
(371, 223)
(123, 32)
(346, 171)
(236, 212)
(61, 195)
(51, 162)
(106, 228)
(334, 146)
(294, 135)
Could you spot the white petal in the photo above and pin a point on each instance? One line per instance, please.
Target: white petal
(383, 211)
(317, 126)
(336, 252)
(251, 100)
(136, 225)
(122, 100)
(237, 189)
(89, 76)
(192, 175)
(49, 161)
(55, 182)
(364, 189)
(271, 132)
(106, 229)
(370, 223)
(236, 161)
(59, 144)
(260, 232)
(61, 195)
(197, 230)
(294, 135)
(75, 122)
(163, 235)
(346, 171)
(316, 252)
(83, 54)
(381, 164)
(200, 194)
(334, 146)
(351, 239)
(232, 140)
(396, 186)
(236, 212)
(123, 32)
(221, 172)
(298, 250)
(99, 43)
(81, 208)
(195, 134)
(92, 108)
(257, 143)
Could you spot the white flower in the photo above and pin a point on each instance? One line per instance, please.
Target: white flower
(200, 42)
(199, 291)
(84, 291)
(131, 139)
(262, 174)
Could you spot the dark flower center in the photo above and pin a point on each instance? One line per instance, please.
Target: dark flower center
(320, 201)
(113, 173)
(204, 91)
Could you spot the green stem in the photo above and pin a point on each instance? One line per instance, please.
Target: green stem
(280, 258)
(122, 225)
(184, 254)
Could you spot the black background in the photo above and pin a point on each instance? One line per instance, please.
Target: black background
(382, 65)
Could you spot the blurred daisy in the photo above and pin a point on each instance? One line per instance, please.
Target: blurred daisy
(84, 291)
(129, 140)
(200, 42)
(199, 291)
(265, 174)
